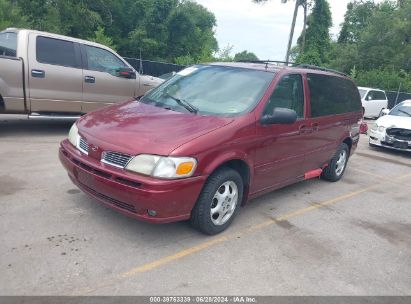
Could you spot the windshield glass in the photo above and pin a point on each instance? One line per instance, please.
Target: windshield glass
(211, 90)
(401, 110)
(362, 92)
(8, 44)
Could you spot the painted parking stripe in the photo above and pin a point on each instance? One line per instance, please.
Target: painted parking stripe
(218, 240)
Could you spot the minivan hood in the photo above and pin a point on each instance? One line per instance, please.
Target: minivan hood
(389, 121)
(135, 128)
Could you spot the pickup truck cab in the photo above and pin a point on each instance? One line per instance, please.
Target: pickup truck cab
(48, 74)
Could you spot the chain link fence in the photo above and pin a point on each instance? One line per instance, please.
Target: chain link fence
(392, 98)
(153, 68)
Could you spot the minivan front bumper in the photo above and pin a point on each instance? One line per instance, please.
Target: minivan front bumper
(143, 198)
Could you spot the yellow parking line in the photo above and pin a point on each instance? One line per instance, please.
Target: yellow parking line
(368, 173)
(191, 250)
(170, 258)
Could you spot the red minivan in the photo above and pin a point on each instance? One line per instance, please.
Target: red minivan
(213, 136)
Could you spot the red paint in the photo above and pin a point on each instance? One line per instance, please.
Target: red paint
(313, 173)
(276, 155)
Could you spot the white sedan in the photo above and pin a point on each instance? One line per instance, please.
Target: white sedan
(393, 130)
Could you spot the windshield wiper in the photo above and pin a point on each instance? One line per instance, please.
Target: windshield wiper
(188, 106)
(399, 110)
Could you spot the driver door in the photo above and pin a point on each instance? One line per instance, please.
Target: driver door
(280, 154)
(102, 84)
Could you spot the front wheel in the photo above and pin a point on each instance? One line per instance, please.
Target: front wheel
(336, 168)
(218, 202)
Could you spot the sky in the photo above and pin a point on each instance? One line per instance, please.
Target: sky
(262, 28)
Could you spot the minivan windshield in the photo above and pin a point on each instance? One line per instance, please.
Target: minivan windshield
(362, 92)
(211, 90)
(8, 44)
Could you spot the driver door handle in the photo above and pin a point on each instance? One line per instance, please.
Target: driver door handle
(303, 129)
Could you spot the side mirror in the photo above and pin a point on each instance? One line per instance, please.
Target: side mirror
(280, 116)
(126, 73)
(385, 112)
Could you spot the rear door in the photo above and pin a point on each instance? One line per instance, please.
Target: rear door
(280, 152)
(55, 75)
(380, 101)
(332, 101)
(375, 101)
(102, 84)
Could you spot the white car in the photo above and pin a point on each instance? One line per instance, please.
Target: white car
(373, 101)
(393, 129)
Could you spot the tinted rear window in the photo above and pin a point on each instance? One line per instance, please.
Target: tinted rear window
(55, 51)
(8, 44)
(331, 95)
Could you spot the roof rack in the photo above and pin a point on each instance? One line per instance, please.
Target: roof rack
(314, 67)
(293, 64)
(266, 62)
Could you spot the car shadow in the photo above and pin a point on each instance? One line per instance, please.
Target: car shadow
(22, 126)
(390, 152)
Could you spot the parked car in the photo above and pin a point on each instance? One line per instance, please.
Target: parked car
(213, 136)
(44, 74)
(373, 101)
(393, 129)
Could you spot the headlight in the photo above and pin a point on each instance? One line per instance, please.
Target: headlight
(73, 135)
(163, 167)
(375, 127)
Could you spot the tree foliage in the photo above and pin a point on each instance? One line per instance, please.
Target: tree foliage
(168, 30)
(376, 40)
(245, 56)
(318, 39)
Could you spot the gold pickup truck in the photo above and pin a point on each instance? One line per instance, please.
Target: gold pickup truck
(44, 74)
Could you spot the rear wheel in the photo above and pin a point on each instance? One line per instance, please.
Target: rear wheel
(218, 202)
(336, 168)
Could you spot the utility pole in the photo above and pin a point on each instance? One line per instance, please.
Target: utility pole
(298, 3)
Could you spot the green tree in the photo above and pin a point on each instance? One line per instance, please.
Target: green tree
(245, 56)
(10, 15)
(166, 30)
(102, 38)
(356, 19)
(318, 41)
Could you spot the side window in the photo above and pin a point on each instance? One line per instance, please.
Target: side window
(55, 51)
(331, 95)
(379, 95)
(289, 93)
(8, 44)
(102, 60)
(370, 96)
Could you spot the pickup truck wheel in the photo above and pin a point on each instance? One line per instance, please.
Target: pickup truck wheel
(336, 168)
(218, 202)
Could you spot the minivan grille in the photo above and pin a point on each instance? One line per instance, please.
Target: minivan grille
(83, 145)
(115, 159)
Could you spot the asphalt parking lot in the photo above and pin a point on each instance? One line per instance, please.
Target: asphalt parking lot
(314, 238)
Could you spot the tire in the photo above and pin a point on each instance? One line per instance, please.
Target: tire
(336, 168)
(216, 208)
